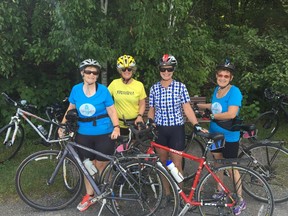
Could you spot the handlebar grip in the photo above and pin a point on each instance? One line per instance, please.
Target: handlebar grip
(32, 106)
(8, 99)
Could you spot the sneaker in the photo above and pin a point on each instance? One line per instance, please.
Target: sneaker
(238, 208)
(85, 203)
(218, 195)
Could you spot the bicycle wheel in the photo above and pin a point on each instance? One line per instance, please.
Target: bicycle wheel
(272, 165)
(8, 149)
(33, 174)
(71, 175)
(267, 124)
(194, 147)
(249, 180)
(147, 190)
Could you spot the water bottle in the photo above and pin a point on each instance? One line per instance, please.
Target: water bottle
(174, 171)
(90, 166)
(42, 130)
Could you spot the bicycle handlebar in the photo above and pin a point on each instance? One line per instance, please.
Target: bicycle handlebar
(151, 128)
(22, 103)
(270, 94)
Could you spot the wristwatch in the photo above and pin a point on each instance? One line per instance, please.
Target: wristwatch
(212, 116)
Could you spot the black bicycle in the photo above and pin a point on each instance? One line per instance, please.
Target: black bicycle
(268, 122)
(129, 187)
(12, 134)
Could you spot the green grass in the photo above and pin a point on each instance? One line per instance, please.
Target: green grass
(8, 169)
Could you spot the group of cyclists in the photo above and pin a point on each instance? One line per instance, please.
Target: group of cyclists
(102, 112)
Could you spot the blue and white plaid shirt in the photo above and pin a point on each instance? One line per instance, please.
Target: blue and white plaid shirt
(168, 102)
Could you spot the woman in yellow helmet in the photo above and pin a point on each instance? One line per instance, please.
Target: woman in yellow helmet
(129, 94)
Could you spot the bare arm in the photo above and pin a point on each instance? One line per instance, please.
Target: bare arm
(61, 130)
(204, 106)
(151, 113)
(230, 114)
(114, 118)
(142, 106)
(190, 113)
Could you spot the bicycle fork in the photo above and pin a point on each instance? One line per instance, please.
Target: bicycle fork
(8, 142)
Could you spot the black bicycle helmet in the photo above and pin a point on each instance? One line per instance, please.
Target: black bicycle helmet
(226, 66)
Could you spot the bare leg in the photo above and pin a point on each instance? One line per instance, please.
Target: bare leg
(235, 176)
(177, 160)
(100, 165)
(163, 156)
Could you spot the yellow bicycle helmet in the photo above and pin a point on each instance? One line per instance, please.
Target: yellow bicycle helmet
(126, 61)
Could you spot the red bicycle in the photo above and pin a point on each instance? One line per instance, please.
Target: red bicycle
(235, 181)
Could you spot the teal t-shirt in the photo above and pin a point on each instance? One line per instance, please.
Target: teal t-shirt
(90, 107)
(220, 105)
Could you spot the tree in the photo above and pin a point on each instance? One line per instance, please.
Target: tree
(43, 42)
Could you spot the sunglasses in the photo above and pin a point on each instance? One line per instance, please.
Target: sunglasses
(91, 72)
(124, 69)
(225, 76)
(166, 69)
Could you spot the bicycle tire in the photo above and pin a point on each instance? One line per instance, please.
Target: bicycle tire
(70, 175)
(7, 150)
(267, 125)
(250, 180)
(272, 160)
(31, 182)
(194, 147)
(123, 158)
(142, 193)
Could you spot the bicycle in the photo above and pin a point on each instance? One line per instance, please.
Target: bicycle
(268, 122)
(267, 157)
(131, 187)
(12, 134)
(255, 188)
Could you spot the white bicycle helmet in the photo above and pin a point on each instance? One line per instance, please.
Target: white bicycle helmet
(89, 62)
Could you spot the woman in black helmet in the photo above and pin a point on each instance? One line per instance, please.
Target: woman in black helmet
(225, 106)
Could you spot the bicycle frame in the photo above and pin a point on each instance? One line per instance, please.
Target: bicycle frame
(70, 150)
(25, 114)
(283, 105)
(202, 165)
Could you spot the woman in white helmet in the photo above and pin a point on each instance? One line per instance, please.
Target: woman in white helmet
(129, 94)
(97, 120)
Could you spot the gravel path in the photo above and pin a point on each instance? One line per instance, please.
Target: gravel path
(19, 208)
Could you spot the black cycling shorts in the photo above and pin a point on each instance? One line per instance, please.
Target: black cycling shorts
(172, 137)
(230, 150)
(101, 143)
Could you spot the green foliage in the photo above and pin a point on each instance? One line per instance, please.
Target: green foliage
(249, 111)
(44, 41)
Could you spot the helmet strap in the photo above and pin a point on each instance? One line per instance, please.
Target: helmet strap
(224, 86)
(125, 81)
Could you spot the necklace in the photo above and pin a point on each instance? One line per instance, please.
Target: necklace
(89, 90)
(221, 92)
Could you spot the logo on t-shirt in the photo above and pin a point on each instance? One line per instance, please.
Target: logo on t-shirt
(87, 109)
(125, 92)
(216, 108)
